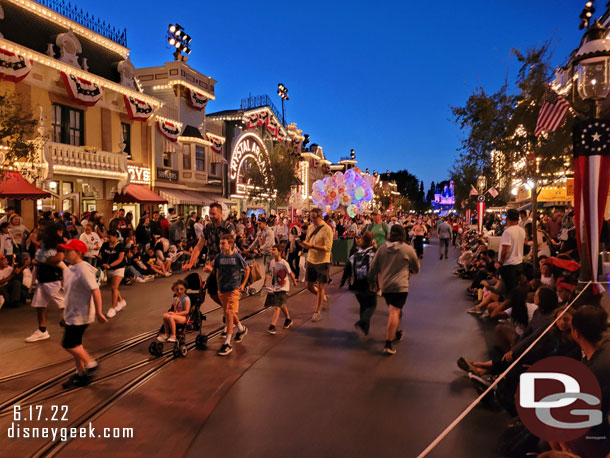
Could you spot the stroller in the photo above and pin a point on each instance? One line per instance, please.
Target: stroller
(194, 322)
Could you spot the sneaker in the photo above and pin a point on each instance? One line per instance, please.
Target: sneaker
(479, 382)
(140, 280)
(358, 329)
(287, 323)
(223, 333)
(239, 336)
(171, 339)
(38, 335)
(168, 274)
(111, 312)
(466, 365)
(399, 335)
(91, 367)
(271, 330)
(225, 350)
(76, 380)
(316, 317)
(162, 337)
(389, 350)
(121, 305)
(475, 311)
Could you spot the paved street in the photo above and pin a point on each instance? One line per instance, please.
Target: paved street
(314, 390)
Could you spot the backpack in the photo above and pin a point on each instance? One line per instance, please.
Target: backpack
(360, 263)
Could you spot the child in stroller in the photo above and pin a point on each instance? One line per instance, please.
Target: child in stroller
(183, 316)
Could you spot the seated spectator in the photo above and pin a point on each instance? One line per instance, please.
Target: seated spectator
(590, 332)
(154, 264)
(137, 269)
(181, 305)
(162, 246)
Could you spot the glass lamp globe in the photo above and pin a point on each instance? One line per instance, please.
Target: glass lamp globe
(481, 183)
(592, 62)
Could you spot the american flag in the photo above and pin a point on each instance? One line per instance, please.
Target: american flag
(554, 109)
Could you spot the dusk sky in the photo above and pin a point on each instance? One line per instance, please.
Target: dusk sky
(378, 77)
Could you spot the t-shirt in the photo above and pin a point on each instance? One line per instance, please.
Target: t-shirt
(79, 283)
(380, 231)
(93, 243)
(228, 271)
(280, 275)
(514, 237)
(4, 273)
(444, 231)
(6, 244)
(324, 237)
(212, 234)
(182, 304)
(47, 273)
(18, 233)
(111, 254)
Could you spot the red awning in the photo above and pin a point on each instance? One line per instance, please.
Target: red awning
(134, 193)
(14, 186)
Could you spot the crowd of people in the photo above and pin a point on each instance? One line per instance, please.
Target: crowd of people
(522, 302)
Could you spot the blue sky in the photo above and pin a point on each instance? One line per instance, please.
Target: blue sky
(378, 77)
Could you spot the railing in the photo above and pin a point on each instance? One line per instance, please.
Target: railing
(260, 101)
(79, 160)
(83, 18)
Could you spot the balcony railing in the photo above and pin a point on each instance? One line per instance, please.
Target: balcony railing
(79, 160)
(257, 101)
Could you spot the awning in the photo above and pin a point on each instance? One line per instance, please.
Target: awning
(183, 197)
(14, 186)
(220, 199)
(135, 193)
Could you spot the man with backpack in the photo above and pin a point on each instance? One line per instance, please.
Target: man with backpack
(379, 228)
(394, 262)
(358, 268)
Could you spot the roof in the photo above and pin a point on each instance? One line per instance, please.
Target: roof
(14, 186)
(222, 113)
(28, 29)
(190, 131)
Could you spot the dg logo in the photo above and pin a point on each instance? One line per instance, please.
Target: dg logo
(559, 399)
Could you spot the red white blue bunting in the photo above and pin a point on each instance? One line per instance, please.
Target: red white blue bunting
(138, 110)
(14, 67)
(264, 118)
(169, 130)
(82, 91)
(197, 100)
(216, 143)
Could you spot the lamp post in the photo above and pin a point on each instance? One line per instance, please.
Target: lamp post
(481, 187)
(591, 65)
(282, 91)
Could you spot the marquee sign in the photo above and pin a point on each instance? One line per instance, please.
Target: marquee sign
(249, 146)
(84, 92)
(138, 110)
(139, 175)
(14, 67)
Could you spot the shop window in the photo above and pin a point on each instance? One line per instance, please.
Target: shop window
(126, 129)
(199, 158)
(186, 159)
(167, 159)
(215, 169)
(68, 125)
(67, 187)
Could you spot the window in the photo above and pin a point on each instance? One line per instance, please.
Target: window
(167, 159)
(187, 159)
(199, 158)
(68, 125)
(215, 169)
(126, 129)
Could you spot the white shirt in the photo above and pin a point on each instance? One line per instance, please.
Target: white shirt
(93, 242)
(4, 273)
(514, 237)
(6, 244)
(280, 275)
(79, 283)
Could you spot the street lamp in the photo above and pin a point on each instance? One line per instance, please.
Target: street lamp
(481, 184)
(282, 91)
(180, 40)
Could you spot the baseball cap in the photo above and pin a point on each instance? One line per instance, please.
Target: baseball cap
(75, 245)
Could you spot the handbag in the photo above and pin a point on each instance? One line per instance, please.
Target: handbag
(255, 273)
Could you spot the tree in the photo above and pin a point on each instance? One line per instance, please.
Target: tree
(16, 130)
(431, 192)
(407, 184)
(281, 176)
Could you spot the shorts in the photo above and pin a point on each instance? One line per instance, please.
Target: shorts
(318, 272)
(230, 301)
(73, 337)
(397, 300)
(276, 299)
(48, 293)
(120, 272)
